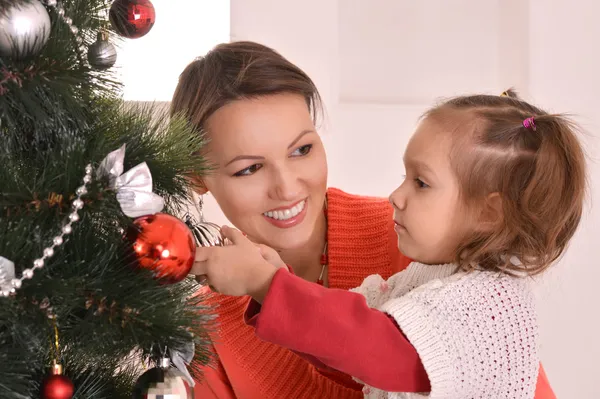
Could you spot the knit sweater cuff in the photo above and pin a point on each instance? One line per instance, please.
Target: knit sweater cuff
(430, 345)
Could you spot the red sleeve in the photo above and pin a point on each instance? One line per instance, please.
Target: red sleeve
(250, 317)
(543, 390)
(339, 330)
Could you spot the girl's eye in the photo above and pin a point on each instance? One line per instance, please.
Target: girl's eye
(421, 183)
(250, 170)
(302, 151)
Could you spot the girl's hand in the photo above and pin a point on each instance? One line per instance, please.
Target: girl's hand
(271, 256)
(241, 268)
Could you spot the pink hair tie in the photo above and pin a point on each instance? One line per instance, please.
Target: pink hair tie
(529, 123)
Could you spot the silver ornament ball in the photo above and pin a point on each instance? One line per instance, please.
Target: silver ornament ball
(162, 382)
(24, 29)
(207, 234)
(102, 54)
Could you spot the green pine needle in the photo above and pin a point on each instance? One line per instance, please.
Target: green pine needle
(61, 116)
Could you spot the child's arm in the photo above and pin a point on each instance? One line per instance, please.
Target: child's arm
(340, 331)
(336, 326)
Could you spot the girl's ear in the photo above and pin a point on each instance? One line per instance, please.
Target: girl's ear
(492, 213)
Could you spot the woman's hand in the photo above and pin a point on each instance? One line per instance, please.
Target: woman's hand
(241, 268)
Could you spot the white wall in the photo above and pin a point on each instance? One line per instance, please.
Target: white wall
(563, 75)
(184, 29)
(379, 64)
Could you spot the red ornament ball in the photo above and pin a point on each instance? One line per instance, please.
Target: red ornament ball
(57, 387)
(132, 18)
(165, 245)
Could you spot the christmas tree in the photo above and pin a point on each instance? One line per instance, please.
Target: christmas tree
(87, 184)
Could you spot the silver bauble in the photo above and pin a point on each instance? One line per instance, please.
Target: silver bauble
(162, 382)
(24, 29)
(207, 234)
(102, 54)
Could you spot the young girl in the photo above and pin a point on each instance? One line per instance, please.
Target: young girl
(493, 193)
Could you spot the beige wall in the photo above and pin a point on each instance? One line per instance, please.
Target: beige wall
(149, 66)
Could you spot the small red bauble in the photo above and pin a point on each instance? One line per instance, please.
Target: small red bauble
(57, 387)
(132, 18)
(165, 245)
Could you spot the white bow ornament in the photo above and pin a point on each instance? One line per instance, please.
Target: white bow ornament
(134, 187)
(7, 274)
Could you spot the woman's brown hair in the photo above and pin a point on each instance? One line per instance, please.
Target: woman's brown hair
(536, 166)
(234, 71)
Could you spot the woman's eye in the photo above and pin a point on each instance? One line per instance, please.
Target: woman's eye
(302, 151)
(250, 170)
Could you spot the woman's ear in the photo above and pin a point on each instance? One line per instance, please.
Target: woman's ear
(197, 185)
(492, 213)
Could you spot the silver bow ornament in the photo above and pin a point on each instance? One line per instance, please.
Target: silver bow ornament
(181, 358)
(7, 274)
(134, 187)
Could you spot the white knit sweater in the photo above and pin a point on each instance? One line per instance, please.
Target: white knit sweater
(476, 333)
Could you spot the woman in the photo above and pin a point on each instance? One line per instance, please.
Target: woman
(270, 178)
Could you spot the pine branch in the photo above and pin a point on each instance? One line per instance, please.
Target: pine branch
(55, 86)
(162, 143)
(57, 116)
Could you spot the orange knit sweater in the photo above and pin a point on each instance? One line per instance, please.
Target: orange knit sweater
(361, 242)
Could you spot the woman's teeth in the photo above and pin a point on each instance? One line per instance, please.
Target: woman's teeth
(287, 213)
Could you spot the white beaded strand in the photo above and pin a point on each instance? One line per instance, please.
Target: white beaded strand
(74, 29)
(66, 229)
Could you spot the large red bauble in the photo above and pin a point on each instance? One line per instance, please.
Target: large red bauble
(132, 18)
(57, 387)
(165, 245)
